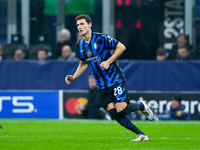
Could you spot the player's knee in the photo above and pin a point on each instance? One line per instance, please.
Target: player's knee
(120, 106)
(110, 106)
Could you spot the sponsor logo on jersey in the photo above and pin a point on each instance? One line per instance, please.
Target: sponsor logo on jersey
(95, 58)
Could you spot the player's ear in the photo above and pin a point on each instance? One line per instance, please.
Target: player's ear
(90, 24)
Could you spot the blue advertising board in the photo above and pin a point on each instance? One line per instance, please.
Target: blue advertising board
(140, 75)
(29, 104)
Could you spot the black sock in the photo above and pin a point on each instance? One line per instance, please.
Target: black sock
(132, 107)
(124, 121)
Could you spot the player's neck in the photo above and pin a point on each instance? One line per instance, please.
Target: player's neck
(88, 36)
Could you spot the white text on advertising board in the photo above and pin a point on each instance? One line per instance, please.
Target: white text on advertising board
(19, 102)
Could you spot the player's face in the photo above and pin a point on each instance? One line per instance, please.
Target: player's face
(83, 27)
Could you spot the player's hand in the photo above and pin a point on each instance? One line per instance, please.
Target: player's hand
(69, 79)
(105, 65)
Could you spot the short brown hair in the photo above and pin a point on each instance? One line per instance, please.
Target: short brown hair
(84, 16)
(161, 51)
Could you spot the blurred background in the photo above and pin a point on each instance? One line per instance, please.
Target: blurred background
(38, 49)
(142, 25)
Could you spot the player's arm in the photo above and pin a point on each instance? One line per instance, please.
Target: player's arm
(81, 68)
(120, 48)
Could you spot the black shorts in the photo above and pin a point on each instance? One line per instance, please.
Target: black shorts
(117, 93)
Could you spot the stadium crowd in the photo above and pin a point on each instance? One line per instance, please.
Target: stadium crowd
(65, 49)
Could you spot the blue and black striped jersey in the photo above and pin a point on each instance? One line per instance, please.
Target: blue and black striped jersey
(100, 49)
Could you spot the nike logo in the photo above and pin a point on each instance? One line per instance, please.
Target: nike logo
(82, 50)
(119, 98)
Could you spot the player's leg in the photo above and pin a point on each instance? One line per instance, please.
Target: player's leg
(107, 100)
(124, 107)
(122, 120)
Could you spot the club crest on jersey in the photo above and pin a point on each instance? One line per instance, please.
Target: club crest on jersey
(95, 45)
(89, 53)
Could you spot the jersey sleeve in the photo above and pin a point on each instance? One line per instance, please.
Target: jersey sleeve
(110, 42)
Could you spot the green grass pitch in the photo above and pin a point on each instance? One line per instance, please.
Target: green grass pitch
(72, 134)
